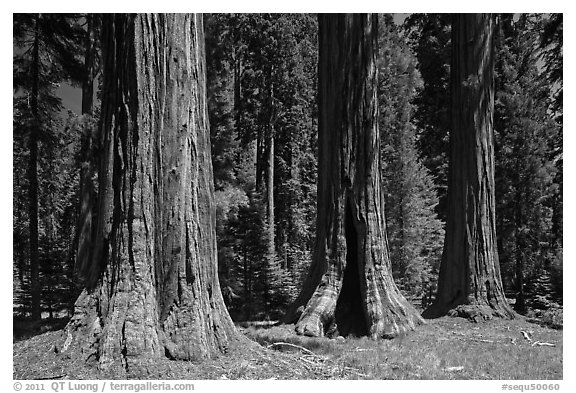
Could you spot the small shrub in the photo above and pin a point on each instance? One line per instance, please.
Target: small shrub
(551, 317)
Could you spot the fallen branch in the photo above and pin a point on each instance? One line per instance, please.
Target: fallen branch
(319, 365)
(541, 344)
(293, 346)
(258, 324)
(53, 377)
(526, 335)
(302, 358)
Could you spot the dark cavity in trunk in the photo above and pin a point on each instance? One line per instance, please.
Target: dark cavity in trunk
(349, 314)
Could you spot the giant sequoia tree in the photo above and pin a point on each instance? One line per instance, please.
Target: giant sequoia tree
(350, 285)
(87, 192)
(469, 284)
(151, 282)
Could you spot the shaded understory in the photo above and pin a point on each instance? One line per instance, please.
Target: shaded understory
(444, 348)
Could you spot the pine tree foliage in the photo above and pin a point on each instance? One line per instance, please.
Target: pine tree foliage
(261, 80)
(58, 176)
(60, 38)
(552, 54)
(47, 51)
(430, 38)
(414, 231)
(551, 35)
(527, 149)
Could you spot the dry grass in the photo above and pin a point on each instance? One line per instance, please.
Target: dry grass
(445, 348)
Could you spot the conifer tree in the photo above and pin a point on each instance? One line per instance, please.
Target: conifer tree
(430, 38)
(414, 231)
(263, 65)
(46, 52)
(525, 139)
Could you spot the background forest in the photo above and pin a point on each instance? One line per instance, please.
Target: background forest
(262, 98)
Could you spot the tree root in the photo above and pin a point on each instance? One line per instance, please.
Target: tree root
(478, 313)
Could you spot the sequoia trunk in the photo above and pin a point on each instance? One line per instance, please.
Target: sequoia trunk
(469, 283)
(89, 64)
(152, 286)
(88, 149)
(349, 288)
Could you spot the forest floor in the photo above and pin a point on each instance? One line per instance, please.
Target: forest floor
(443, 348)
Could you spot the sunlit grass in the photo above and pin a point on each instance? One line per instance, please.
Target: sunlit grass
(446, 348)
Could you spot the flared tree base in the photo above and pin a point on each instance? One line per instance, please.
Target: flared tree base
(311, 325)
(119, 342)
(349, 290)
(381, 313)
(472, 312)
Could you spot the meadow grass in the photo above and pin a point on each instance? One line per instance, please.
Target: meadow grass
(444, 348)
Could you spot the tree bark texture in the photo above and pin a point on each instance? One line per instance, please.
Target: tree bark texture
(88, 152)
(469, 282)
(349, 288)
(89, 64)
(152, 287)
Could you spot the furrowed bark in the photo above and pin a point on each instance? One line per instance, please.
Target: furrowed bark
(349, 288)
(89, 147)
(469, 283)
(153, 287)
